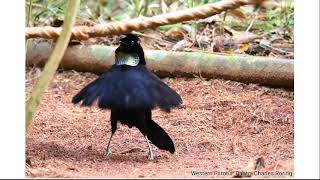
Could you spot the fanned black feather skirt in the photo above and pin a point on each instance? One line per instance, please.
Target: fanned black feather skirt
(127, 87)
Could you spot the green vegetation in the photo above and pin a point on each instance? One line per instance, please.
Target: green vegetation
(281, 17)
(284, 17)
(39, 12)
(46, 12)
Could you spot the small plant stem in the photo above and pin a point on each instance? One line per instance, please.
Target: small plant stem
(53, 62)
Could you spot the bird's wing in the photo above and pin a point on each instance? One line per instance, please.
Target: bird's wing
(133, 88)
(165, 97)
(91, 92)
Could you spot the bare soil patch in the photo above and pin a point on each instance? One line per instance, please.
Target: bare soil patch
(222, 126)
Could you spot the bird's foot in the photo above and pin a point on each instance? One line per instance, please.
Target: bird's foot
(150, 156)
(107, 152)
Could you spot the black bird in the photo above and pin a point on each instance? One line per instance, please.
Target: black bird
(131, 91)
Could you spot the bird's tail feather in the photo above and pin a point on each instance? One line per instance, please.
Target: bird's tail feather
(159, 137)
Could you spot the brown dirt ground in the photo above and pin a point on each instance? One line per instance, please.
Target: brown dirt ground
(222, 126)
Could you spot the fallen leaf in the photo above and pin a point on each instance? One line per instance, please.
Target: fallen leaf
(237, 13)
(175, 34)
(244, 37)
(242, 48)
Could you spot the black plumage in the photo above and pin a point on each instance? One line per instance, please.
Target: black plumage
(131, 91)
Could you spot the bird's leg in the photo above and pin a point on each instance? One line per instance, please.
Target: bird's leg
(150, 153)
(107, 149)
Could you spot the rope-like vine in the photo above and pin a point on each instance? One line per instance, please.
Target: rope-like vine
(140, 23)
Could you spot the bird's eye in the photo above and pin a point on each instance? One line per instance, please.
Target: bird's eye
(132, 42)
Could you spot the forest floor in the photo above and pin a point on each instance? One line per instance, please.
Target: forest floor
(222, 128)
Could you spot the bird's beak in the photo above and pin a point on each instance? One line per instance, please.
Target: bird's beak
(121, 39)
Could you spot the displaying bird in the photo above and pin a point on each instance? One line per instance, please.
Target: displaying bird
(131, 91)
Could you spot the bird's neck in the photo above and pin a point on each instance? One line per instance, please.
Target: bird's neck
(130, 59)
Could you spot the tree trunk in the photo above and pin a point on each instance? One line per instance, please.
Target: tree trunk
(249, 69)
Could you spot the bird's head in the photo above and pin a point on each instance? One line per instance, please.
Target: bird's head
(129, 40)
(130, 51)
